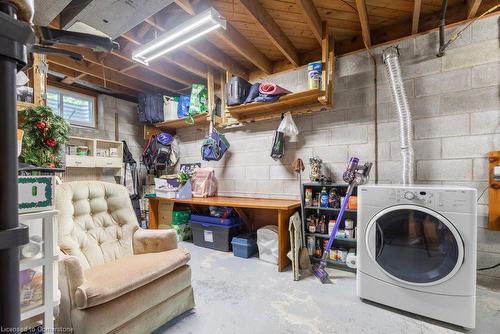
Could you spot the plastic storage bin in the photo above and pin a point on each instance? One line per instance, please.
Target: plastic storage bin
(267, 241)
(214, 236)
(215, 220)
(245, 245)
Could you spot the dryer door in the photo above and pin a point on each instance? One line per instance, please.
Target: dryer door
(414, 245)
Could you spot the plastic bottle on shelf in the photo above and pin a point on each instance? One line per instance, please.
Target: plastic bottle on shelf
(311, 225)
(323, 198)
(333, 199)
(331, 225)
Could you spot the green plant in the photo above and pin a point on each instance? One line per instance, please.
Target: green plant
(45, 134)
(183, 177)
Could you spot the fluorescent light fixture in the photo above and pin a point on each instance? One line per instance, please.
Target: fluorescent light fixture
(184, 33)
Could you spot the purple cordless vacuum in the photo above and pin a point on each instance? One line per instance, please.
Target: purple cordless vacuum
(354, 175)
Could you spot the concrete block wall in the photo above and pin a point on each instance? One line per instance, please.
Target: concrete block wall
(128, 129)
(455, 102)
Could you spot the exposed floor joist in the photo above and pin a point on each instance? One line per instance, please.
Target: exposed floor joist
(363, 20)
(70, 73)
(472, 7)
(105, 74)
(236, 40)
(313, 19)
(91, 57)
(272, 30)
(416, 16)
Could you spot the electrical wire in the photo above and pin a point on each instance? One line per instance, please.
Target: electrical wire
(458, 32)
(488, 268)
(482, 193)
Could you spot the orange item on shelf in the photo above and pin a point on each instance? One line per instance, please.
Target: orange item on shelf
(353, 202)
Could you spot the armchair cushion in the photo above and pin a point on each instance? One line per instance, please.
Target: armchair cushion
(152, 241)
(106, 282)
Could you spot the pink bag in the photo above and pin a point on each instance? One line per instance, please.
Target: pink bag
(204, 182)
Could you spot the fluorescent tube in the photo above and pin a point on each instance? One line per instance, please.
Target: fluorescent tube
(184, 33)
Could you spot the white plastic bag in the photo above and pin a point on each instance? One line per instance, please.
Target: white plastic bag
(287, 126)
(267, 242)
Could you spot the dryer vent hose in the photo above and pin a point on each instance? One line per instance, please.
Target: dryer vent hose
(393, 70)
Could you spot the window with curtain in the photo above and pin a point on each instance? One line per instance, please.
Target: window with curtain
(77, 109)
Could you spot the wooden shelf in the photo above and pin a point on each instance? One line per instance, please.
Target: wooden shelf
(200, 119)
(257, 111)
(24, 105)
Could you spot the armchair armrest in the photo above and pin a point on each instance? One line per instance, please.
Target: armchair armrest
(70, 277)
(153, 241)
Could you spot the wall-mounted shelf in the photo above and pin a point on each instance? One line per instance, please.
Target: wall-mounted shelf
(180, 123)
(302, 102)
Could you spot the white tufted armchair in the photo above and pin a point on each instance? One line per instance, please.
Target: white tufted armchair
(115, 277)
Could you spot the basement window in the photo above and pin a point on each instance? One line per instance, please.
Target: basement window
(78, 109)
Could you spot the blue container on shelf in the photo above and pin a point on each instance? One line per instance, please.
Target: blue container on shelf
(216, 220)
(245, 245)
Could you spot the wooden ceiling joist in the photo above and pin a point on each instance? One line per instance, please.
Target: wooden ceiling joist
(186, 6)
(312, 16)
(472, 7)
(93, 58)
(125, 54)
(210, 54)
(363, 20)
(70, 73)
(233, 37)
(272, 30)
(416, 16)
(105, 74)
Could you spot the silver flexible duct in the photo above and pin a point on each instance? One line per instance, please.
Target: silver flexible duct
(393, 70)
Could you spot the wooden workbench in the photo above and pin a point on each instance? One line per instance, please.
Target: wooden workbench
(255, 212)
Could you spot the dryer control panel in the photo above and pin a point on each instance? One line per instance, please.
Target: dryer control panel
(439, 198)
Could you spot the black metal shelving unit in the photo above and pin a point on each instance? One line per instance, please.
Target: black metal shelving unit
(330, 212)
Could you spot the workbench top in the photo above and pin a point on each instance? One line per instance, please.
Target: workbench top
(240, 202)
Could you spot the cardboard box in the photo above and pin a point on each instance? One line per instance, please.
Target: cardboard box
(165, 215)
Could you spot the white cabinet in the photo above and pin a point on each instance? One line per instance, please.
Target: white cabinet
(101, 153)
(80, 161)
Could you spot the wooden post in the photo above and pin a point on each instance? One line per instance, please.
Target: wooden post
(493, 193)
(39, 79)
(324, 56)
(223, 97)
(283, 238)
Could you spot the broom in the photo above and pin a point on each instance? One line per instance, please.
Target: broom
(304, 260)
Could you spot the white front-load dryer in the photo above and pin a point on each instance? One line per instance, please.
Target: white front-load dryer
(417, 250)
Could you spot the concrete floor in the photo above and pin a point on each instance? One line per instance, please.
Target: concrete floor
(235, 295)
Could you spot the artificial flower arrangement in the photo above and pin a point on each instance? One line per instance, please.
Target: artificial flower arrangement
(45, 134)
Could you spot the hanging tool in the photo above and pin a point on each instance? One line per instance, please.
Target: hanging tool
(354, 175)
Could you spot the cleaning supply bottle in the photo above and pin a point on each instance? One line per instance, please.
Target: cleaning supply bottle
(333, 199)
(323, 198)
